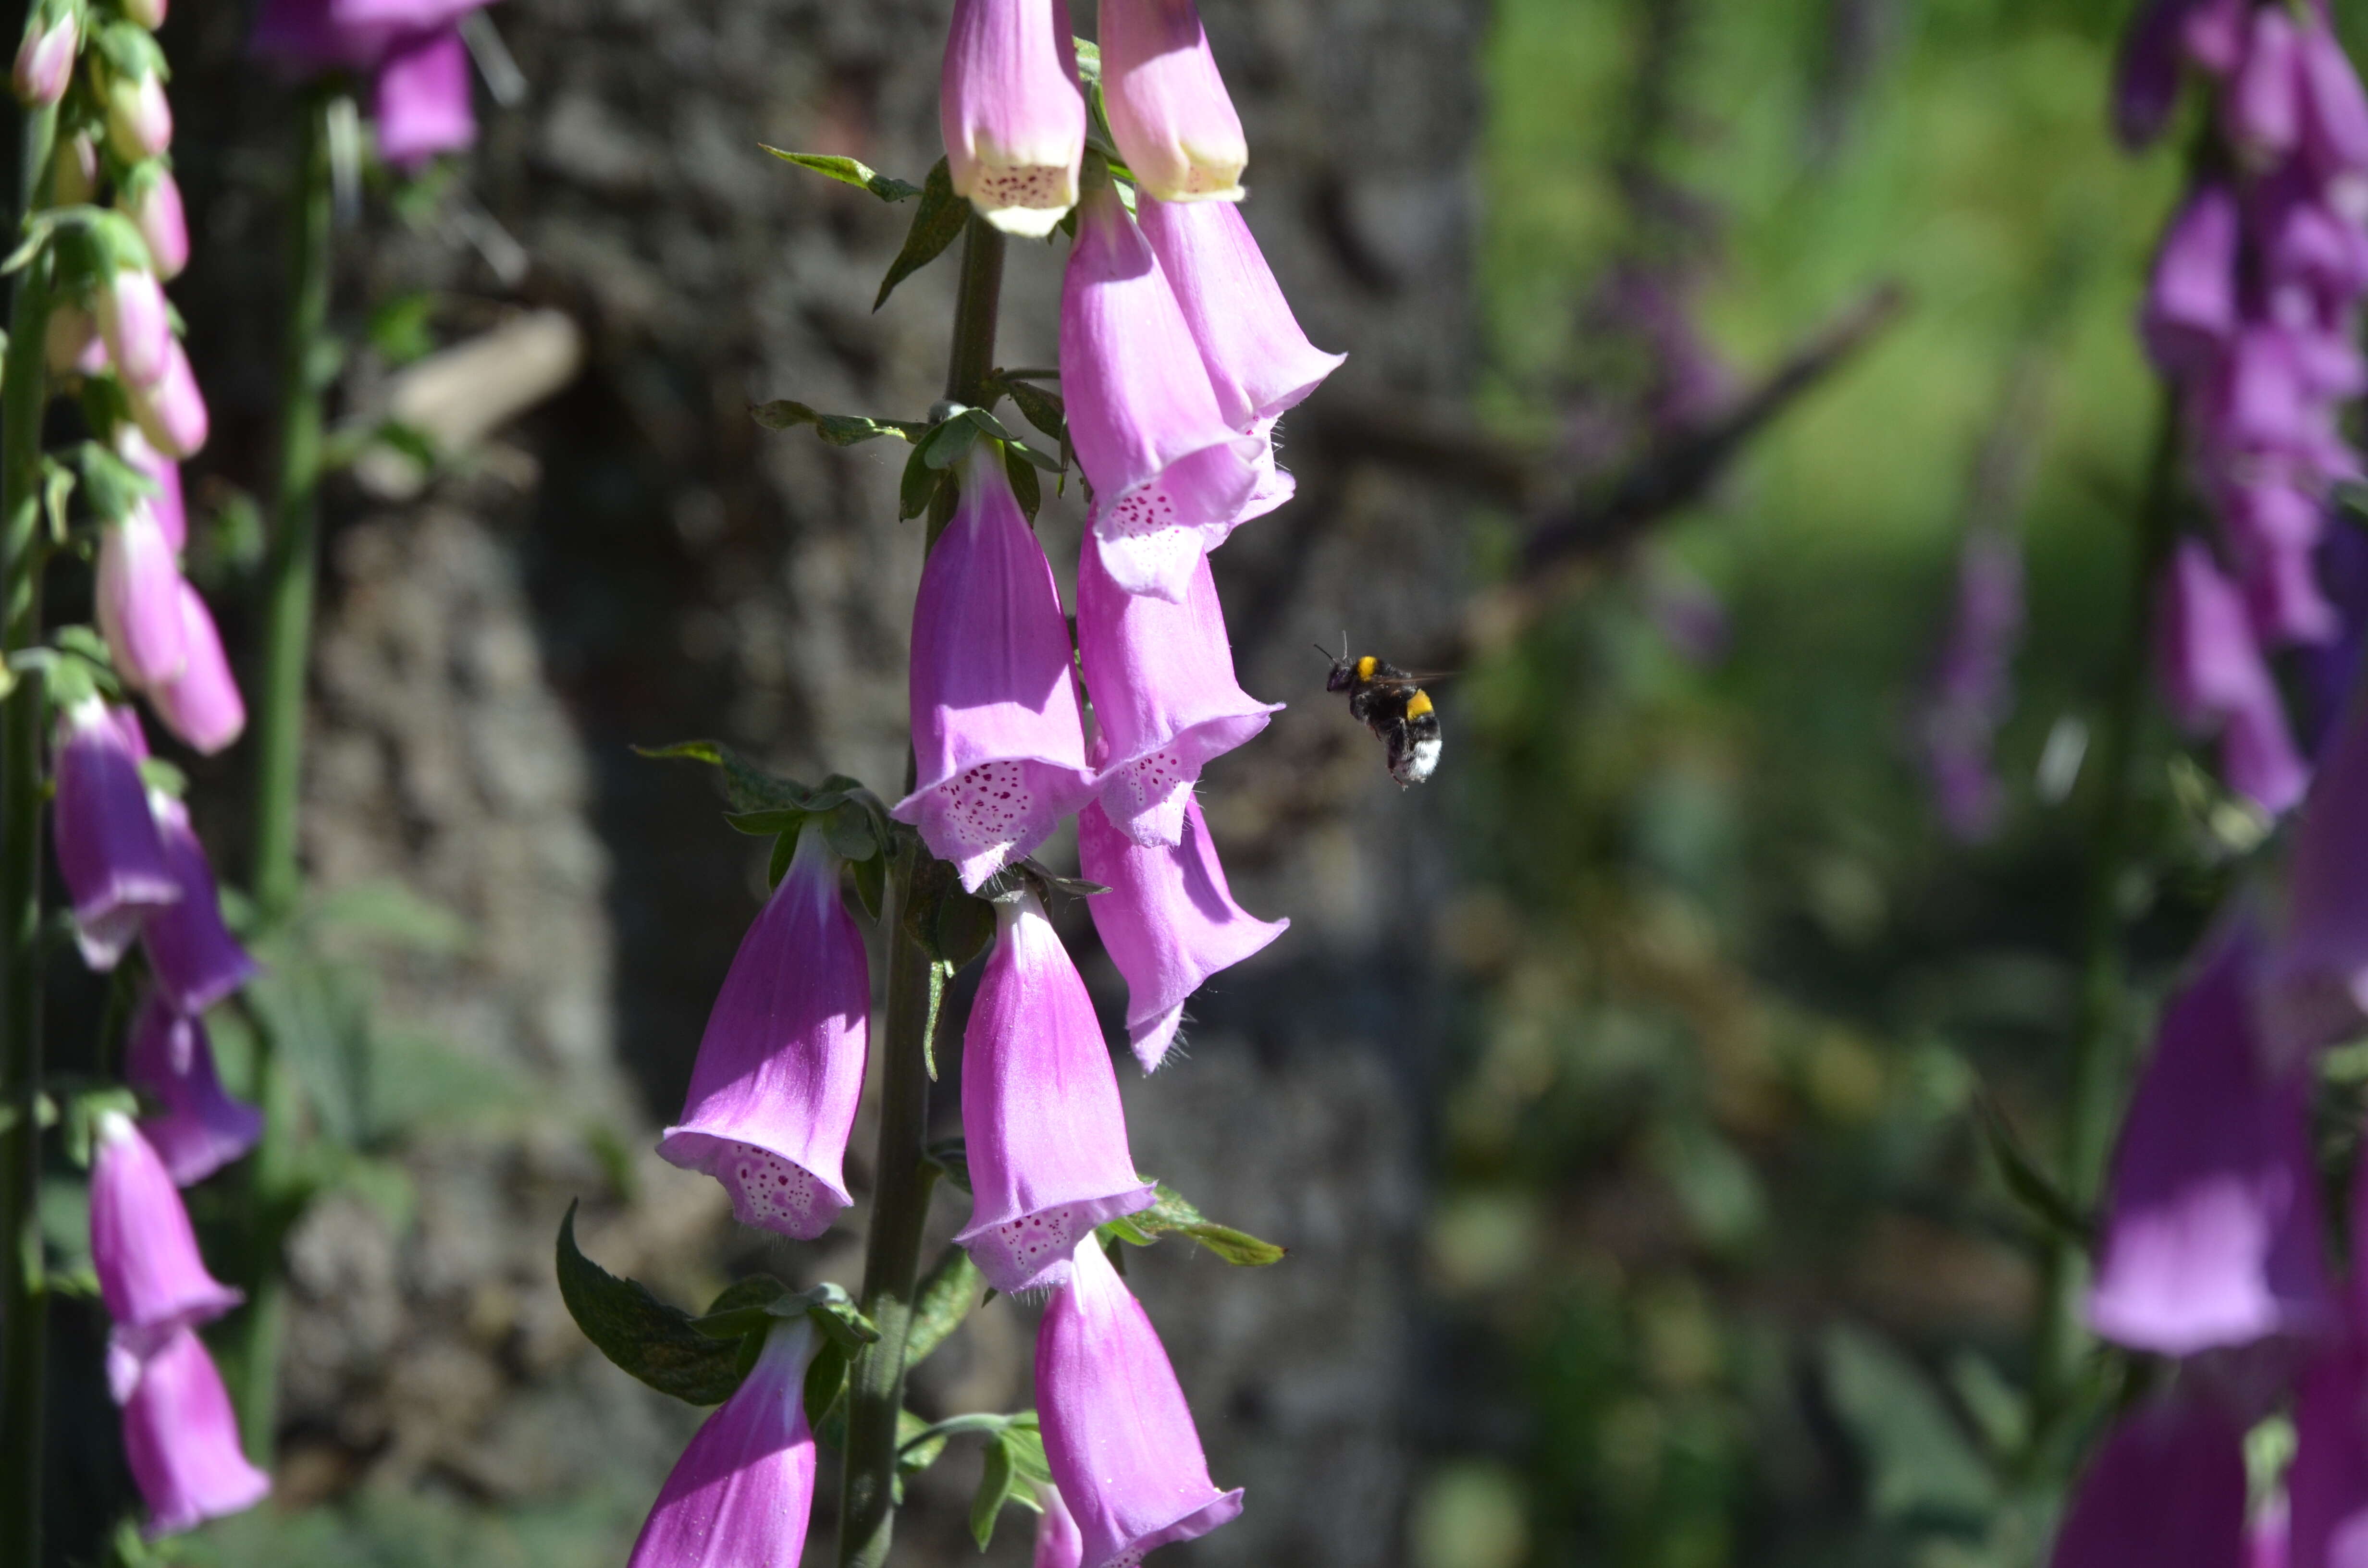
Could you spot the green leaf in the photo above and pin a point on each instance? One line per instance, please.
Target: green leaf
(1171, 1214)
(849, 829)
(838, 429)
(946, 1296)
(746, 787)
(871, 879)
(995, 1486)
(952, 440)
(399, 328)
(2026, 1183)
(1020, 469)
(918, 486)
(938, 222)
(388, 912)
(1042, 409)
(642, 1335)
(1919, 1463)
(847, 171)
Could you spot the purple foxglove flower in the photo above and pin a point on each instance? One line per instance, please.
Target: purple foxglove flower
(2335, 110)
(139, 117)
(136, 325)
(45, 61)
(196, 959)
(182, 1440)
(780, 1067)
(2191, 306)
(998, 744)
(1259, 362)
(202, 705)
(149, 1275)
(2262, 111)
(2327, 671)
(1041, 1114)
(1169, 108)
(2282, 590)
(139, 595)
(422, 104)
(172, 413)
(1013, 118)
(2214, 676)
(312, 36)
(1058, 1544)
(1118, 1435)
(2211, 1233)
(1168, 922)
(151, 197)
(2212, 33)
(2316, 989)
(2327, 1485)
(107, 848)
(2167, 1488)
(202, 1127)
(1161, 676)
(1170, 477)
(743, 1491)
(2304, 240)
(172, 511)
(2146, 74)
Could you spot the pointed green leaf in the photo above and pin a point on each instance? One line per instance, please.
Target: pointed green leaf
(936, 224)
(1040, 408)
(918, 486)
(847, 171)
(642, 1335)
(1171, 1214)
(2029, 1186)
(746, 787)
(1020, 467)
(951, 441)
(838, 429)
(994, 1488)
(945, 1298)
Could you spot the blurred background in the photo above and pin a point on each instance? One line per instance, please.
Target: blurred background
(1620, 1094)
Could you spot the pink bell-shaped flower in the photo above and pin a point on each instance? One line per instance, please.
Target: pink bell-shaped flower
(422, 105)
(1041, 1120)
(2262, 110)
(1058, 1544)
(1169, 108)
(2214, 676)
(2335, 109)
(149, 1275)
(780, 1068)
(2191, 303)
(169, 505)
(1259, 362)
(172, 413)
(134, 322)
(201, 1127)
(1118, 1435)
(998, 744)
(1170, 477)
(2210, 1228)
(1165, 702)
(139, 116)
(182, 1439)
(313, 35)
(1168, 922)
(743, 1491)
(45, 59)
(1013, 116)
(139, 595)
(202, 704)
(2166, 1489)
(196, 959)
(151, 197)
(107, 847)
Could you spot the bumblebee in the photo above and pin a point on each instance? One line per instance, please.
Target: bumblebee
(1392, 704)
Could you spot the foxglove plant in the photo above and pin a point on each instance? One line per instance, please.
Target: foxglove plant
(1177, 355)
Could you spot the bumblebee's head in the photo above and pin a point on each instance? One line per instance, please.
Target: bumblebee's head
(1344, 668)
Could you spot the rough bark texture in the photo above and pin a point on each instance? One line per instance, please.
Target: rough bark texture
(639, 561)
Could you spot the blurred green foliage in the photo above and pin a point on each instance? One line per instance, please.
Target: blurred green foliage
(1712, 1193)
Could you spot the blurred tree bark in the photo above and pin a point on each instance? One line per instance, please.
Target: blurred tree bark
(638, 562)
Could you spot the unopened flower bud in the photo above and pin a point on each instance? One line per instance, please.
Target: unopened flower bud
(73, 171)
(71, 342)
(45, 61)
(172, 413)
(149, 14)
(202, 705)
(1169, 108)
(139, 117)
(151, 197)
(1013, 118)
(139, 594)
(133, 319)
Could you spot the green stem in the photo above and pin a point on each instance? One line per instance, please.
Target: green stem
(23, 1280)
(900, 1203)
(2095, 1070)
(278, 877)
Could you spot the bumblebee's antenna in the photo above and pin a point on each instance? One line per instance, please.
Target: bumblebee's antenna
(1344, 644)
(1326, 652)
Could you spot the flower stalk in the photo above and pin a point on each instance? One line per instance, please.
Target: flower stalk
(904, 1178)
(23, 722)
(277, 881)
